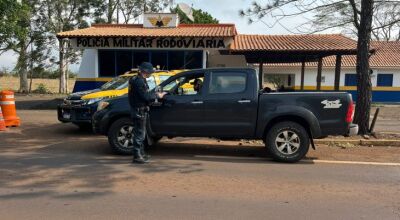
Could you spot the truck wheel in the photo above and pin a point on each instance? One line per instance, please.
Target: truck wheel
(287, 142)
(121, 139)
(120, 136)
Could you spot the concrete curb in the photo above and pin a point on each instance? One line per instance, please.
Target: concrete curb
(362, 142)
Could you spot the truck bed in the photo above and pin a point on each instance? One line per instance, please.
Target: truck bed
(326, 109)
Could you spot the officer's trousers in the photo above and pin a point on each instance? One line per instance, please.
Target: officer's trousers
(139, 132)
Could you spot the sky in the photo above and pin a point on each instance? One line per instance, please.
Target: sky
(226, 11)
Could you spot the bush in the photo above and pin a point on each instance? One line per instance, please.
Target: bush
(41, 89)
(4, 72)
(43, 73)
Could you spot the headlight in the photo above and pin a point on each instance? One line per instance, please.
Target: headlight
(102, 105)
(91, 101)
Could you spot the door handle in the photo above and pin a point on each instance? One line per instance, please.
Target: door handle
(197, 102)
(244, 101)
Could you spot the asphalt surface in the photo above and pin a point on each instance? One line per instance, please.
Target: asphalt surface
(50, 170)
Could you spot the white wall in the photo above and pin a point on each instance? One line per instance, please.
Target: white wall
(310, 76)
(89, 65)
(216, 60)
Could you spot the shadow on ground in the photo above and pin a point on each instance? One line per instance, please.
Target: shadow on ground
(61, 161)
(38, 104)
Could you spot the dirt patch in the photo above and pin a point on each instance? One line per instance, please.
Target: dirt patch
(356, 153)
(12, 83)
(376, 136)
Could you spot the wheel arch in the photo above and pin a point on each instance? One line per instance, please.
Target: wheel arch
(283, 118)
(311, 128)
(113, 119)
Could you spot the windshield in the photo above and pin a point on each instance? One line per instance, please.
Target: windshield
(163, 78)
(151, 82)
(116, 83)
(172, 85)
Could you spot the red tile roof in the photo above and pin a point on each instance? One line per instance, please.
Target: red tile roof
(387, 54)
(310, 42)
(134, 30)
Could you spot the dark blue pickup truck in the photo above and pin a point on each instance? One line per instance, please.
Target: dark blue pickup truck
(229, 104)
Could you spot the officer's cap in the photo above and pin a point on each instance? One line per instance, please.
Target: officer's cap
(146, 67)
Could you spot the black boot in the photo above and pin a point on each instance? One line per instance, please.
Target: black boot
(138, 158)
(146, 156)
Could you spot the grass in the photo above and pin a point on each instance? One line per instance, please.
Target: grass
(52, 85)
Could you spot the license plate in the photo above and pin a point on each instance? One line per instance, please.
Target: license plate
(67, 116)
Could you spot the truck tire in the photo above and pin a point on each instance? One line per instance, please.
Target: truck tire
(287, 142)
(120, 137)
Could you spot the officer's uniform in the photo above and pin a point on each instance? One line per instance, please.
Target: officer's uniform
(139, 100)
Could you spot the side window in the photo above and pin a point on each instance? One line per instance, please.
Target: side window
(227, 82)
(385, 80)
(193, 85)
(171, 86)
(151, 82)
(185, 85)
(350, 79)
(163, 78)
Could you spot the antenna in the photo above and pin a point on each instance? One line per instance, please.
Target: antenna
(187, 10)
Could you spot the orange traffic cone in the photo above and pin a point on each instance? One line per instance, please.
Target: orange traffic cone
(2, 122)
(7, 103)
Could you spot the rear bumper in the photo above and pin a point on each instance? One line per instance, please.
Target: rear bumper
(75, 114)
(353, 130)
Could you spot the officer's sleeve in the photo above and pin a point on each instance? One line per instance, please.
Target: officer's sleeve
(148, 96)
(130, 92)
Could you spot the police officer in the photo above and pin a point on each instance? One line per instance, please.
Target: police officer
(139, 100)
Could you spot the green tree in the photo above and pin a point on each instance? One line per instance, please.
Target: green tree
(200, 17)
(126, 11)
(356, 16)
(21, 31)
(65, 15)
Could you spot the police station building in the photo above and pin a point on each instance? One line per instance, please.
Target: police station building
(304, 62)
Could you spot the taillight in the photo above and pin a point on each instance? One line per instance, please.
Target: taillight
(350, 112)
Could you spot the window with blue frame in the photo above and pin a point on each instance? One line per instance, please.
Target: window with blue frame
(116, 62)
(385, 80)
(123, 61)
(107, 63)
(350, 79)
(140, 57)
(159, 59)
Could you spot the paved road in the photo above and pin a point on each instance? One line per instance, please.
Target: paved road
(53, 171)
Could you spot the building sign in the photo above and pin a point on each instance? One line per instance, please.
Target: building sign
(149, 43)
(157, 20)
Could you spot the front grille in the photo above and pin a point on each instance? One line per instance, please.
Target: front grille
(74, 102)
